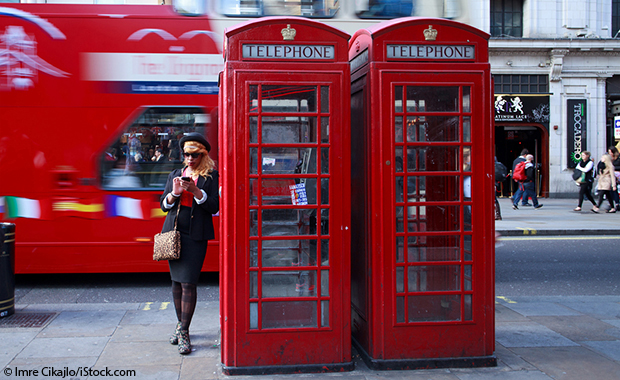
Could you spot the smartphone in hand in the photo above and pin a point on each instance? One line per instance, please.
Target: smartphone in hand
(186, 179)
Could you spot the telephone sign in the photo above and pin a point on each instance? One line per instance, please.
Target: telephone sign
(431, 51)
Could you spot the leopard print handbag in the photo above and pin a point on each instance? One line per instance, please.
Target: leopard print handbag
(168, 244)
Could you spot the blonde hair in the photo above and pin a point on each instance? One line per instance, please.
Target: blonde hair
(206, 165)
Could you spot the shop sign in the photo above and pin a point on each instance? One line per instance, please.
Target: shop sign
(522, 108)
(617, 127)
(576, 129)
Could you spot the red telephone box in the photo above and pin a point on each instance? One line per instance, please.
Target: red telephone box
(285, 157)
(422, 254)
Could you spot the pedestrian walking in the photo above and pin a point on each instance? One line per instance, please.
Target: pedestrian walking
(195, 190)
(529, 185)
(606, 182)
(615, 160)
(520, 189)
(586, 167)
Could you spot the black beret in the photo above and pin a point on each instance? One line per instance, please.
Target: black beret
(194, 136)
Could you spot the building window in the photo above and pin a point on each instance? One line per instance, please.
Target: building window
(507, 18)
(615, 18)
(521, 84)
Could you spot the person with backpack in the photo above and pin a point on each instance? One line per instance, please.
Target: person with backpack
(518, 175)
(586, 167)
(529, 184)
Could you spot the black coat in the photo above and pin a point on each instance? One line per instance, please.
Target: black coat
(530, 172)
(201, 225)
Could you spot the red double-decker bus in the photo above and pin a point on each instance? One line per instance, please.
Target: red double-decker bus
(93, 100)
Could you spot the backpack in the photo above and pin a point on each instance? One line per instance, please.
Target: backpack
(500, 172)
(519, 172)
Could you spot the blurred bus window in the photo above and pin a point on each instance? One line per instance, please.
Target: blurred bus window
(259, 8)
(190, 7)
(148, 150)
(385, 9)
(389, 9)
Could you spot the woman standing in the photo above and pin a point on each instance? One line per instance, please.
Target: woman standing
(586, 166)
(606, 182)
(195, 190)
(615, 161)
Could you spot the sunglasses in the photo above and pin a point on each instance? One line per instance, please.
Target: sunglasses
(194, 155)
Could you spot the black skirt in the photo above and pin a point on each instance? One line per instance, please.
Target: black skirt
(187, 268)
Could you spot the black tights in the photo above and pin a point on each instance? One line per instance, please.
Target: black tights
(610, 198)
(184, 296)
(585, 190)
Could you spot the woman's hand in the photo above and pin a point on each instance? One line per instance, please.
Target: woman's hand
(177, 186)
(192, 188)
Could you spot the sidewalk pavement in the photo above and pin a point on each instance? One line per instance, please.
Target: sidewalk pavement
(556, 217)
(536, 337)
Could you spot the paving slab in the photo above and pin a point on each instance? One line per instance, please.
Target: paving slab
(608, 349)
(524, 334)
(14, 342)
(142, 333)
(613, 322)
(478, 374)
(138, 372)
(563, 299)
(436, 374)
(505, 314)
(64, 347)
(578, 328)
(199, 368)
(598, 310)
(160, 353)
(83, 323)
(568, 363)
(58, 362)
(148, 317)
(206, 317)
(204, 344)
(530, 309)
(511, 360)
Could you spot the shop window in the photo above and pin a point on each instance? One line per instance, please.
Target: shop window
(506, 18)
(260, 8)
(148, 150)
(521, 84)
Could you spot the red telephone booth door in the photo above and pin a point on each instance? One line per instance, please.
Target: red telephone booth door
(291, 236)
(438, 271)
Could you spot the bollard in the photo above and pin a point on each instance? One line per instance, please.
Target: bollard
(7, 269)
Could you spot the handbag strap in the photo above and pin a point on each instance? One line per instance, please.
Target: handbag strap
(177, 217)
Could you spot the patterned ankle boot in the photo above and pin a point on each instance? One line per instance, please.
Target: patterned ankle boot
(174, 338)
(185, 346)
